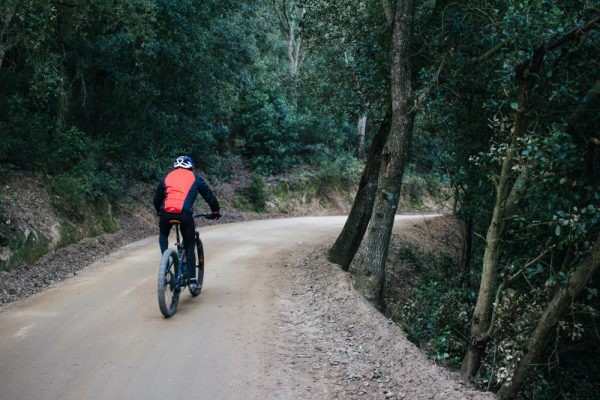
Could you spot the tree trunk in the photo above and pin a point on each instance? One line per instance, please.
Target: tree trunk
(293, 49)
(547, 323)
(371, 258)
(361, 127)
(467, 252)
(480, 322)
(349, 239)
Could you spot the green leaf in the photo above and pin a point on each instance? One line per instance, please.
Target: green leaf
(557, 230)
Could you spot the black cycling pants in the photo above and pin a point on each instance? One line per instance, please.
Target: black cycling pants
(187, 228)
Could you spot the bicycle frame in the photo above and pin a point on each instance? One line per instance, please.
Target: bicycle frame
(180, 280)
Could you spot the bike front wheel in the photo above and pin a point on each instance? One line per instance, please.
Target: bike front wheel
(168, 291)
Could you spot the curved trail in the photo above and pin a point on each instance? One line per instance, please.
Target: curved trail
(101, 335)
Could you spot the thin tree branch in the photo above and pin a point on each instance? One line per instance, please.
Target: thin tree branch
(488, 53)
(534, 64)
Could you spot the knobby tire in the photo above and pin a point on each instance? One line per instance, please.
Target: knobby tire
(168, 292)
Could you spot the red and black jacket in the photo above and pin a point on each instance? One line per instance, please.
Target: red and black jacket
(178, 190)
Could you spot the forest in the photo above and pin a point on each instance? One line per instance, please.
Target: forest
(496, 101)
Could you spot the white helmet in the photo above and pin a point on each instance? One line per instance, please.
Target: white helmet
(184, 162)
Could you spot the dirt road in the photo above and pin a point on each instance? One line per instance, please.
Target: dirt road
(101, 335)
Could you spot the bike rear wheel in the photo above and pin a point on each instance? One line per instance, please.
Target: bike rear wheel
(199, 266)
(168, 291)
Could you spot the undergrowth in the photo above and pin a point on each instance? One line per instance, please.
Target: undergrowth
(319, 185)
(423, 295)
(27, 248)
(427, 297)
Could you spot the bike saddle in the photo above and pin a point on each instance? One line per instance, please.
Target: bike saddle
(175, 222)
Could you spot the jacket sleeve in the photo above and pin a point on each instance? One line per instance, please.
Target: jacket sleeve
(207, 194)
(159, 196)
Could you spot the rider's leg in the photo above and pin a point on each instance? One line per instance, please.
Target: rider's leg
(188, 228)
(164, 229)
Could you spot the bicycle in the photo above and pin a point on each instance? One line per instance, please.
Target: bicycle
(172, 273)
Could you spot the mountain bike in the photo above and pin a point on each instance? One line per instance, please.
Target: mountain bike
(173, 276)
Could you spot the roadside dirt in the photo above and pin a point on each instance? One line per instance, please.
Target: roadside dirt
(347, 348)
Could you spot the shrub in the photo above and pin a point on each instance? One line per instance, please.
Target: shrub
(341, 174)
(76, 196)
(103, 186)
(68, 198)
(254, 195)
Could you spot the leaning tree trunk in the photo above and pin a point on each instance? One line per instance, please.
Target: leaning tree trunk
(480, 322)
(506, 198)
(349, 239)
(371, 258)
(508, 194)
(546, 325)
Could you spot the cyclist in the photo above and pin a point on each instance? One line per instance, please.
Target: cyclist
(174, 200)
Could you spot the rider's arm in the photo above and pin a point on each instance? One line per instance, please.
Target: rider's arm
(159, 196)
(207, 194)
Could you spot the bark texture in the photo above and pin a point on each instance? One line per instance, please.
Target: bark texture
(349, 239)
(361, 128)
(371, 258)
(546, 325)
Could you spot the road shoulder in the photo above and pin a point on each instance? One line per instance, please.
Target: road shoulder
(337, 346)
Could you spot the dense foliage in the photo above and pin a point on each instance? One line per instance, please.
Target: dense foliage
(89, 88)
